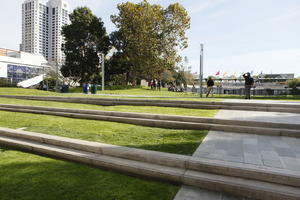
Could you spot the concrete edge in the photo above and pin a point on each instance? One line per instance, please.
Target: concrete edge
(166, 159)
(236, 186)
(191, 119)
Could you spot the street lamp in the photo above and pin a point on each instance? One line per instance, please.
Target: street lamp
(201, 70)
(101, 59)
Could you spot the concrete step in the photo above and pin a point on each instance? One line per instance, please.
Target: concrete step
(271, 107)
(240, 170)
(167, 123)
(232, 185)
(162, 117)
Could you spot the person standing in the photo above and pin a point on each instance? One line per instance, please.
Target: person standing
(193, 88)
(248, 84)
(210, 85)
(158, 84)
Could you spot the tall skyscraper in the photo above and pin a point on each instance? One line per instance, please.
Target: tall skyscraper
(41, 27)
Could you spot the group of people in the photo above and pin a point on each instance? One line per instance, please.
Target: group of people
(249, 82)
(176, 88)
(155, 84)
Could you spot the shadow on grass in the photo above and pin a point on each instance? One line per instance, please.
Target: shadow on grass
(28, 177)
(182, 148)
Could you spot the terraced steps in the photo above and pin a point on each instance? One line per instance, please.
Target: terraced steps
(266, 107)
(166, 121)
(243, 180)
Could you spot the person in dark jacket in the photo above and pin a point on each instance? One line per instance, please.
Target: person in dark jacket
(248, 84)
(210, 84)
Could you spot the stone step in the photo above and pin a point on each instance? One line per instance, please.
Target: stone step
(240, 170)
(232, 185)
(271, 107)
(168, 124)
(162, 117)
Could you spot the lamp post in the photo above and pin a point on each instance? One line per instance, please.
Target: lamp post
(101, 59)
(201, 70)
(56, 82)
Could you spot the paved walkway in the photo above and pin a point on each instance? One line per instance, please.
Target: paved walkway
(260, 150)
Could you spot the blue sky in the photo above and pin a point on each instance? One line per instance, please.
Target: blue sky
(238, 35)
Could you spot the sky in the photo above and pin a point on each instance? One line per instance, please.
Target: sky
(239, 36)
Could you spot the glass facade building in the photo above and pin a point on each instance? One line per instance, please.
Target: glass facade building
(18, 73)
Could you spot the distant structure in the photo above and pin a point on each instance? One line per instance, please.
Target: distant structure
(18, 66)
(41, 28)
(275, 77)
(265, 84)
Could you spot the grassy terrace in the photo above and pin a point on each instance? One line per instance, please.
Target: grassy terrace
(142, 92)
(166, 140)
(142, 109)
(29, 177)
(25, 176)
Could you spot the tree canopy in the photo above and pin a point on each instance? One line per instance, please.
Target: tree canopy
(84, 38)
(148, 38)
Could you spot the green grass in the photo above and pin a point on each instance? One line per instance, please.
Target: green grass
(30, 177)
(132, 91)
(144, 91)
(166, 140)
(142, 109)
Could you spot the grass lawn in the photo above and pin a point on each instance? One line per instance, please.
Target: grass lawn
(141, 92)
(142, 109)
(30, 177)
(133, 91)
(165, 140)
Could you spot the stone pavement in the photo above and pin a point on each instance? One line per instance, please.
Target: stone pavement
(261, 150)
(192, 193)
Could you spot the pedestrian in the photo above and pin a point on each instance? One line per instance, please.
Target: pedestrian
(154, 84)
(151, 84)
(193, 88)
(248, 84)
(158, 85)
(210, 85)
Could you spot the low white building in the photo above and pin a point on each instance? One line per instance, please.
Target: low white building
(17, 66)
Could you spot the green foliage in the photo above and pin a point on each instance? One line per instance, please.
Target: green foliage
(294, 83)
(50, 82)
(167, 77)
(4, 82)
(85, 37)
(148, 38)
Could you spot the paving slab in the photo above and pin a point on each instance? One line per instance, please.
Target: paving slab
(260, 150)
(277, 117)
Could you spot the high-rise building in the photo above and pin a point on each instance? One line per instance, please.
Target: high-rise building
(41, 27)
